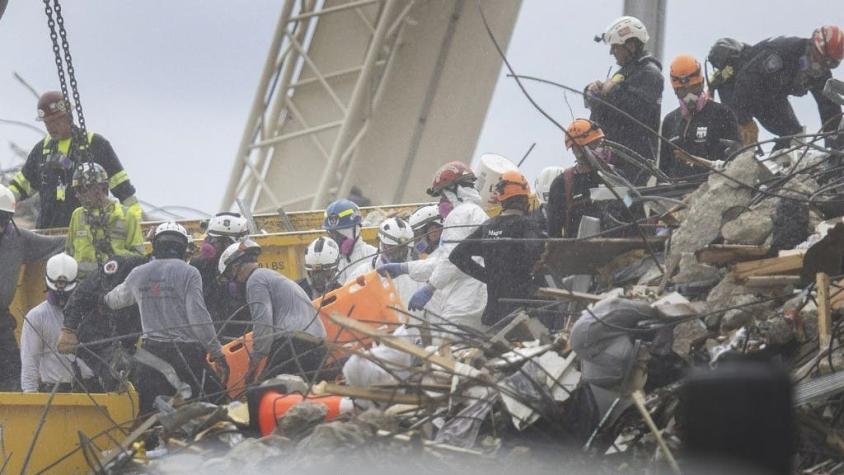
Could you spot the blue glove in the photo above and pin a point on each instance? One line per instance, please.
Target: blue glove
(421, 297)
(393, 269)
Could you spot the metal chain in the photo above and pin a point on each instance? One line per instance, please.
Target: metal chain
(54, 37)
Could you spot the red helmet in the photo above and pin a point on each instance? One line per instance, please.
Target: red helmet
(449, 175)
(829, 43)
(50, 104)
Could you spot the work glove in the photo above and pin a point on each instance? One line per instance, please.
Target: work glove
(393, 269)
(421, 297)
(749, 132)
(67, 342)
(222, 368)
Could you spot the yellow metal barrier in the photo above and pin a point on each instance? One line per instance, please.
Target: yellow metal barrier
(69, 415)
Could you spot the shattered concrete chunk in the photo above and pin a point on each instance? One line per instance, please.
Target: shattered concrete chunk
(752, 227)
(301, 420)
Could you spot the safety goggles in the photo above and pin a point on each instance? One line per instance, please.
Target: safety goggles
(53, 108)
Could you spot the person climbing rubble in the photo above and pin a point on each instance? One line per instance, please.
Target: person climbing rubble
(322, 258)
(635, 90)
(223, 230)
(49, 168)
(427, 225)
(703, 129)
(286, 328)
(781, 67)
(343, 224)
(177, 327)
(450, 297)
(42, 366)
(507, 268)
(568, 198)
(17, 247)
(101, 228)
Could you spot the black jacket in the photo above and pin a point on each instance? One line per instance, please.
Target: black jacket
(699, 134)
(565, 210)
(640, 95)
(508, 267)
(49, 174)
(231, 318)
(778, 68)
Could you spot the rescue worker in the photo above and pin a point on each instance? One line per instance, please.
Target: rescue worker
(322, 257)
(508, 267)
(42, 365)
(727, 57)
(453, 298)
(542, 188)
(343, 223)
(286, 326)
(49, 168)
(223, 230)
(17, 247)
(636, 88)
(395, 243)
(569, 199)
(787, 66)
(701, 127)
(427, 225)
(101, 228)
(176, 325)
(90, 328)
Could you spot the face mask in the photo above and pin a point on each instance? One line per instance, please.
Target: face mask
(692, 103)
(57, 298)
(601, 153)
(445, 207)
(345, 238)
(421, 246)
(233, 289)
(207, 251)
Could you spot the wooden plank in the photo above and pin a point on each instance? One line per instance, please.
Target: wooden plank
(770, 266)
(824, 310)
(563, 294)
(391, 397)
(730, 253)
(771, 281)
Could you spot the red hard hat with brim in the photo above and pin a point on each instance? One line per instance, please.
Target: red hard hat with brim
(51, 104)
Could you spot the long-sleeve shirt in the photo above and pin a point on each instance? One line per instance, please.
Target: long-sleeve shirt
(778, 68)
(699, 134)
(48, 171)
(169, 296)
(22, 248)
(115, 232)
(507, 268)
(40, 361)
(278, 306)
(639, 94)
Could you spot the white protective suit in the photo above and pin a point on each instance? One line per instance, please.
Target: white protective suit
(459, 299)
(361, 256)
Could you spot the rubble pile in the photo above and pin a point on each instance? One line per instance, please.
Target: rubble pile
(730, 328)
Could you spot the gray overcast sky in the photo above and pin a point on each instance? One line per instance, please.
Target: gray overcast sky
(169, 83)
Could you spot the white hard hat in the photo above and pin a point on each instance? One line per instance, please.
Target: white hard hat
(61, 269)
(227, 224)
(424, 215)
(173, 228)
(395, 232)
(235, 252)
(542, 184)
(322, 252)
(7, 200)
(624, 28)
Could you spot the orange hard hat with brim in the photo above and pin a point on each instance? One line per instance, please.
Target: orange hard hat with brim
(511, 183)
(685, 71)
(583, 132)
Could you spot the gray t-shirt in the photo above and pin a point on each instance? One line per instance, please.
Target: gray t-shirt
(23, 248)
(278, 306)
(169, 296)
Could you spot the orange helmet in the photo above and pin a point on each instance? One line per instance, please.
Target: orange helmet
(829, 43)
(685, 71)
(511, 183)
(582, 132)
